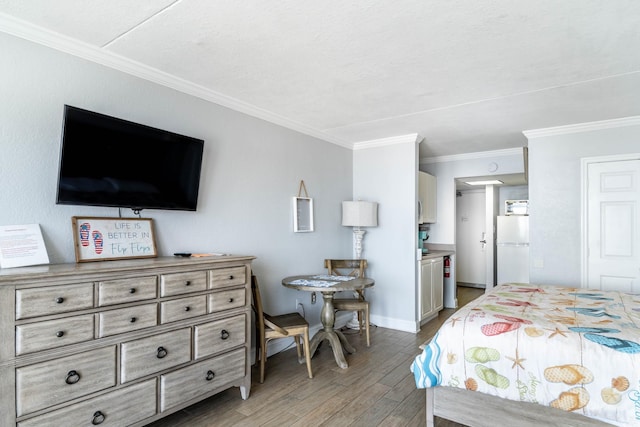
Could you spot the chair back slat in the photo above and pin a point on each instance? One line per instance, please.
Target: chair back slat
(346, 267)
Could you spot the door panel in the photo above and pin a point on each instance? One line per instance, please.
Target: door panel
(470, 231)
(613, 193)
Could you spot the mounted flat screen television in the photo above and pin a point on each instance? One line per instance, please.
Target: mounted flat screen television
(106, 161)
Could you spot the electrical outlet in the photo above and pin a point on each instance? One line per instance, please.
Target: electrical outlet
(298, 303)
(313, 297)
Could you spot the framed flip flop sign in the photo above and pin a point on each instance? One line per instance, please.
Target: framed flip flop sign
(102, 239)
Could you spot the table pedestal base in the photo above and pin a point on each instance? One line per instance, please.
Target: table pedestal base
(337, 341)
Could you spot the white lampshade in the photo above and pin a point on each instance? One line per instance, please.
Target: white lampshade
(359, 214)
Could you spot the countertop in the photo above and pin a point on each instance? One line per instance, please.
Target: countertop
(437, 254)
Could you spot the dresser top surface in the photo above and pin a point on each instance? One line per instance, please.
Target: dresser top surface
(9, 275)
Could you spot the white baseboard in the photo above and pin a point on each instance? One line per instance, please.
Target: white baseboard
(397, 324)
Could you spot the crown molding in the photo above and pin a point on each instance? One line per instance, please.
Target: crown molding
(412, 137)
(473, 156)
(69, 45)
(582, 127)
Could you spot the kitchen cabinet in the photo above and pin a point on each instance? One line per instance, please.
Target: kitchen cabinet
(426, 198)
(431, 288)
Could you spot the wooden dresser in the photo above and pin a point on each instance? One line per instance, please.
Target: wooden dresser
(121, 343)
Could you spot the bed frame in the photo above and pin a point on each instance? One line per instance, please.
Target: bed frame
(475, 409)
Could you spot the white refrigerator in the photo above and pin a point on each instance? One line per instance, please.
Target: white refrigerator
(512, 241)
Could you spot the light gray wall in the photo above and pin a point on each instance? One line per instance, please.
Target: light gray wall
(388, 175)
(555, 199)
(251, 169)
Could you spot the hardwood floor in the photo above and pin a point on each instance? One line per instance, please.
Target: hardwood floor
(376, 390)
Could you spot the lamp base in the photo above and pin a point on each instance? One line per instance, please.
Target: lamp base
(358, 235)
(353, 322)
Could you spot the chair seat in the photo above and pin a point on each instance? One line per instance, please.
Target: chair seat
(289, 319)
(350, 304)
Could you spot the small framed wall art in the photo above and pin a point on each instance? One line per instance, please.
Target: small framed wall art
(302, 211)
(102, 239)
(302, 214)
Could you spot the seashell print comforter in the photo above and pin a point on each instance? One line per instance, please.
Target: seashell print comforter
(573, 349)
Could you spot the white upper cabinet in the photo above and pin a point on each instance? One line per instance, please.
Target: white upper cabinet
(426, 198)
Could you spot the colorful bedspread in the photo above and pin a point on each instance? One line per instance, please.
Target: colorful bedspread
(572, 349)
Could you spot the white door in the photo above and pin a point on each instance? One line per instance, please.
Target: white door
(471, 238)
(613, 228)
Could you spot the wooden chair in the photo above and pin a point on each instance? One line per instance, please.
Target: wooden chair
(281, 326)
(351, 267)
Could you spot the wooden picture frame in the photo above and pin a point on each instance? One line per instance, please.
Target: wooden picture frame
(104, 239)
(302, 214)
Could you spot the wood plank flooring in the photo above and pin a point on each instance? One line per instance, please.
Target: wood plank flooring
(376, 390)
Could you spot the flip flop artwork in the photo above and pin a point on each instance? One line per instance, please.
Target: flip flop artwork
(84, 234)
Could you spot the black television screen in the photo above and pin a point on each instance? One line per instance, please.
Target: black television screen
(106, 161)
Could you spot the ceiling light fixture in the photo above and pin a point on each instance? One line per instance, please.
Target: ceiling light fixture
(488, 182)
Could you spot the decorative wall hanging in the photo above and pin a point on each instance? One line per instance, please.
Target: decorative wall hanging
(302, 211)
(102, 239)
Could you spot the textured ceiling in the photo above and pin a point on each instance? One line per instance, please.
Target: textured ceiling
(469, 76)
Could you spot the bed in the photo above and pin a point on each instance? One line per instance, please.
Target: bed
(536, 355)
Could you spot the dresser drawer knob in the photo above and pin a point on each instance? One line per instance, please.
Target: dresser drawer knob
(162, 352)
(187, 308)
(72, 377)
(230, 277)
(133, 319)
(60, 334)
(59, 300)
(210, 375)
(224, 334)
(131, 291)
(187, 283)
(98, 418)
(230, 300)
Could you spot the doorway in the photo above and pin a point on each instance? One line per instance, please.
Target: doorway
(471, 238)
(475, 250)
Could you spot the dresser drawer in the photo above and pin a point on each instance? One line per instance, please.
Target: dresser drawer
(218, 336)
(118, 408)
(53, 333)
(55, 381)
(182, 283)
(52, 300)
(127, 290)
(128, 319)
(183, 308)
(194, 380)
(224, 277)
(225, 300)
(153, 354)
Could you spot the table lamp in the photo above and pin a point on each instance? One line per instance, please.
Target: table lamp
(358, 214)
